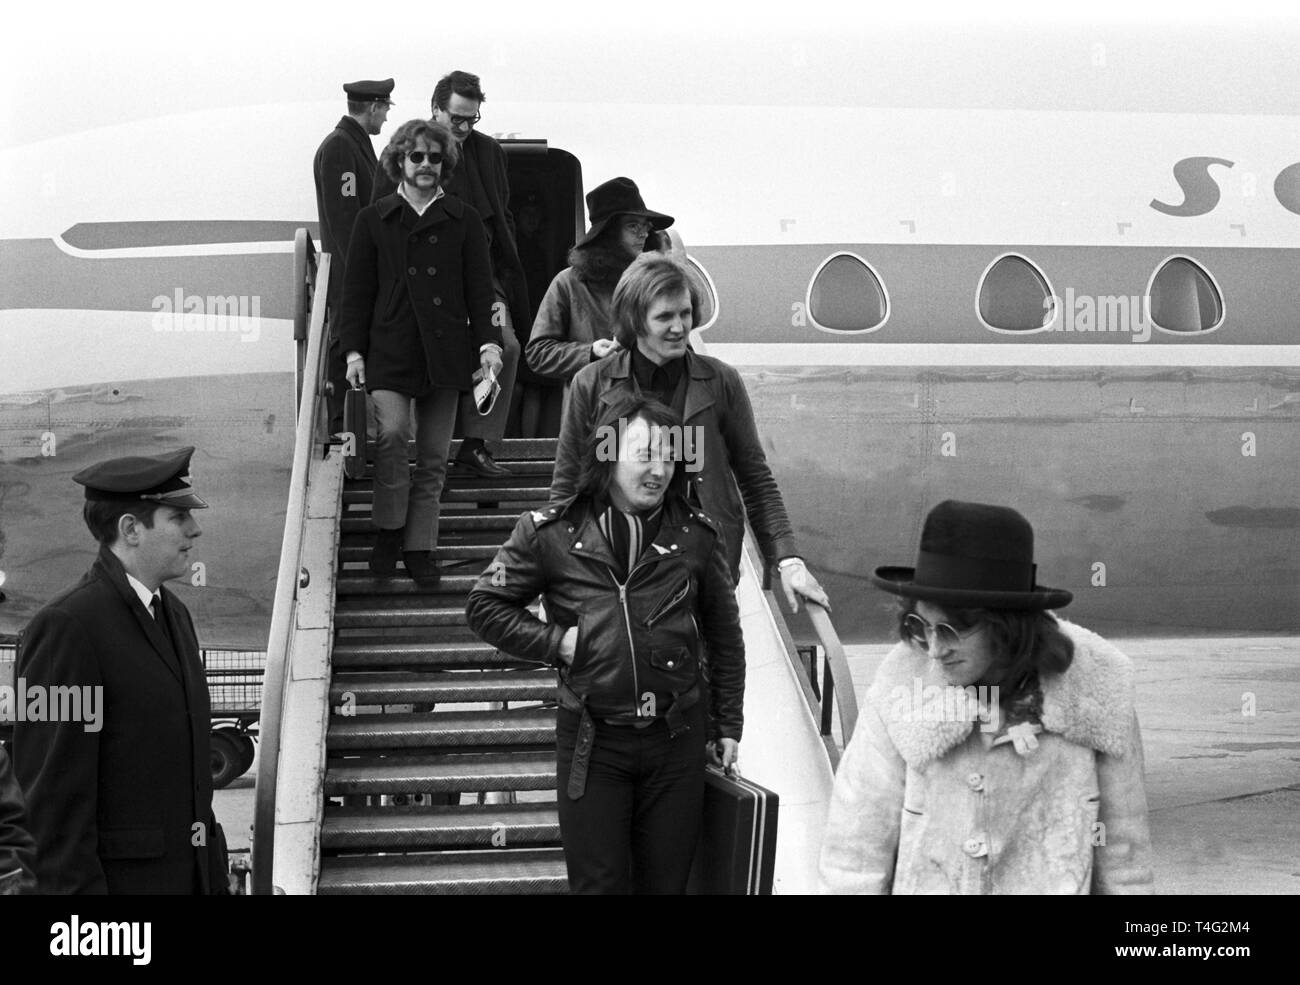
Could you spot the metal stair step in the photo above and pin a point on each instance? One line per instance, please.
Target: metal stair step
(525, 495)
(443, 552)
(354, 655)
(441, 773)
(496, 521)
(539, 870)
(416, 828)
(441, 729)
(352, 583)
(404, 687)
(373, 615)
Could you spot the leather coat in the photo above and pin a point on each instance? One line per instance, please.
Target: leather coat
(640, 643)
(730, 480)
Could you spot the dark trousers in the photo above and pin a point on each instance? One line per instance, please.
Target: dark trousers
(635, 828)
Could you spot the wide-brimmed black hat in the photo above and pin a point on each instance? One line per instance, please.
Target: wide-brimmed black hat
(616, 197)
(974, 556)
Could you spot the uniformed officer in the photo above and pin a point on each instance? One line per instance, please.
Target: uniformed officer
(345, 173)
(123, 804)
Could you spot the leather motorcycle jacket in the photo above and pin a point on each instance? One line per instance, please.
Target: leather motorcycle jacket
(641, 639)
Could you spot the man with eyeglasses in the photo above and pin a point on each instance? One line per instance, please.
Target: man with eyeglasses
(416, 323)
(482, 180)
(344, 170)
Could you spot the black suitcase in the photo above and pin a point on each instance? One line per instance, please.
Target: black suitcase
(737, 849)
(354, 424)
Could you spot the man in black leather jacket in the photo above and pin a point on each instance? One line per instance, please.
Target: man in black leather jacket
(636, 586)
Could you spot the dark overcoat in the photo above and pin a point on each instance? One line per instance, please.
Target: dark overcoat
(482, 179)
(417, 295)
(729, 478)
(344, 169)
(126, 808)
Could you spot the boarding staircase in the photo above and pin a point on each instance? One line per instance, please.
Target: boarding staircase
(401, 755)
(440, 769)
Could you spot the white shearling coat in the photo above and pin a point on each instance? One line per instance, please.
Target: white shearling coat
(942, 806)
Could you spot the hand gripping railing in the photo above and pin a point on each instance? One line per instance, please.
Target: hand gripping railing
(825, 696)
(311, 280)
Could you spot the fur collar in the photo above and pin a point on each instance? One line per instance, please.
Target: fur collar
(1091, 704)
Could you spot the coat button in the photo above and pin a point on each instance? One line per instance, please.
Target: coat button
(433, 239)
(437, 301)
(411, 271)
(570, 530)
(686, 530)
(432, 271)
(673, 547)
(578, 545)
(976, 847)
(699, 478)
(976, 782)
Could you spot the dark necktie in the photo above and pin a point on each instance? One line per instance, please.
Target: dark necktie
(155, 606)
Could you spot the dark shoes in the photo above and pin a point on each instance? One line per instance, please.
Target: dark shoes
(481, 463)
(423, 567)
(383, 557)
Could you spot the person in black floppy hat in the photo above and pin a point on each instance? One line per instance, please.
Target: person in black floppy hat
(998, 750)
(574, 325)
(119, 794)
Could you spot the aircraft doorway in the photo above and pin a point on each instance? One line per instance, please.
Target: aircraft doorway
(546, 202)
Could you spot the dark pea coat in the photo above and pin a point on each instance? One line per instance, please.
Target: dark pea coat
(482, 179)
(417, 295)
(730, 478)
(344, 169)
(119, 810)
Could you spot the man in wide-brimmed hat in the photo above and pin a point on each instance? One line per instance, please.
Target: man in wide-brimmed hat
(575, 323)
(1047, 796)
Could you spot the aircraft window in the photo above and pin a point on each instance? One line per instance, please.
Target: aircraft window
(708, 294)
(1184, 297)
(1013, 296)
(847, 295)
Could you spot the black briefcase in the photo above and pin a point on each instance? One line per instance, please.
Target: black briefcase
(737, 849)
(354, 432)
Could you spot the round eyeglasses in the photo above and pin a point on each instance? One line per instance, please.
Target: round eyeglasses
(919, 631)
(418, 156)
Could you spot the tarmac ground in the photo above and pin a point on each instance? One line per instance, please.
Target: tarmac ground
(1221, 732)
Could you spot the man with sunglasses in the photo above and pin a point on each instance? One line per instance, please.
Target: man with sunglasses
(416, 323)
(482, 180)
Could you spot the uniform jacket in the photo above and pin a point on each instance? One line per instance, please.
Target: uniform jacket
(17, 849)
(118, 810)
(678, 597)
(572, 316)
(483, 181)
(733, 479)
(927, 803)
(417, 296)
(344, 169)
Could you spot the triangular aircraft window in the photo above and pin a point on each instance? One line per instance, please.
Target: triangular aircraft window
(1184, 298)
(847, 296)
(1013, 296)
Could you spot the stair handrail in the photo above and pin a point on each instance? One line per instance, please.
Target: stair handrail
(839, 678)
(308, 433)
